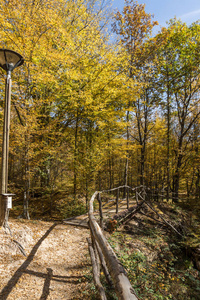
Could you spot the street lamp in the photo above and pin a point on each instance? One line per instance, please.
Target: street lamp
(9, 60)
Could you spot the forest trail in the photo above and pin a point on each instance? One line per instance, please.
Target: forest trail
(108, 209)
(56, 263)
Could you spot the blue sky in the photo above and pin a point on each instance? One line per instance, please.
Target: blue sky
(164, 10)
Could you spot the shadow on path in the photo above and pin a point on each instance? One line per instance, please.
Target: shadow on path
(13, 281)
(45, 292)
(59, 278)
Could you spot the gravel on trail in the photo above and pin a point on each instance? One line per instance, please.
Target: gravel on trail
(56, 263)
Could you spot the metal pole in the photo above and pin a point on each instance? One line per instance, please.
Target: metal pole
(5, 146)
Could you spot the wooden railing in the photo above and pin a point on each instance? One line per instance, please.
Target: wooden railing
(102, 255)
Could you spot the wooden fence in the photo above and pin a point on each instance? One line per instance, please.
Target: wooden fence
(102, 255)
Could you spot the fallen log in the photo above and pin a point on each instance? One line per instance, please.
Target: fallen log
(148, 216)
(76, 224)
(167, 223)
(127, 214)
(133, 212)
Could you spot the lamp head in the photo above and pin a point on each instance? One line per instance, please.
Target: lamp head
(9, 60)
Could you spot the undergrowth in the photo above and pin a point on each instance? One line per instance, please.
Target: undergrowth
(156, 262)
(46, 207)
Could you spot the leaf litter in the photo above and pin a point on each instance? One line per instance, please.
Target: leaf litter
(56, 264)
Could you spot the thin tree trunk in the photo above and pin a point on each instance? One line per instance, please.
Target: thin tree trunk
(168, 137)
(75, 156)
(127, 152)
(176, 178)
(27, 179)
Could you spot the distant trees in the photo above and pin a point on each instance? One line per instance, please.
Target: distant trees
(134, 26)
(166, 70)
(178, 57)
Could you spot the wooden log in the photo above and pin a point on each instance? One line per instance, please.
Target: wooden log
(104, 267)
(103, 263)
(150, 217)
(71, 218)
(119, 187)
(91, 208)
(76, 224)
(130, 215)
(167, 223)
(122, 285)
(97, 282)
(96, 255)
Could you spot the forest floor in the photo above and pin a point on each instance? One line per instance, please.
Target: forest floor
(56, 263)
(160, 264)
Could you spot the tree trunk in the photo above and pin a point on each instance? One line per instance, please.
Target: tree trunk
(168, 137)
(176, 178)
(127, 152)
(75, 155)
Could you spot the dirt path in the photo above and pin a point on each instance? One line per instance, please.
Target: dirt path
(57, 260)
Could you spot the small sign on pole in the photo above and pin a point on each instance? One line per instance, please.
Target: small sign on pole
(8, 200)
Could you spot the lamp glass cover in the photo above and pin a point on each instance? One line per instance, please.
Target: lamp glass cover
(10, 59)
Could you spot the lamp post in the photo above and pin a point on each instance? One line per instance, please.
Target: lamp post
(9, 60)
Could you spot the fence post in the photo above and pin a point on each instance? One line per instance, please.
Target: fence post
(117, 201)
(136, 196)
(100, 210)
(127, 197)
